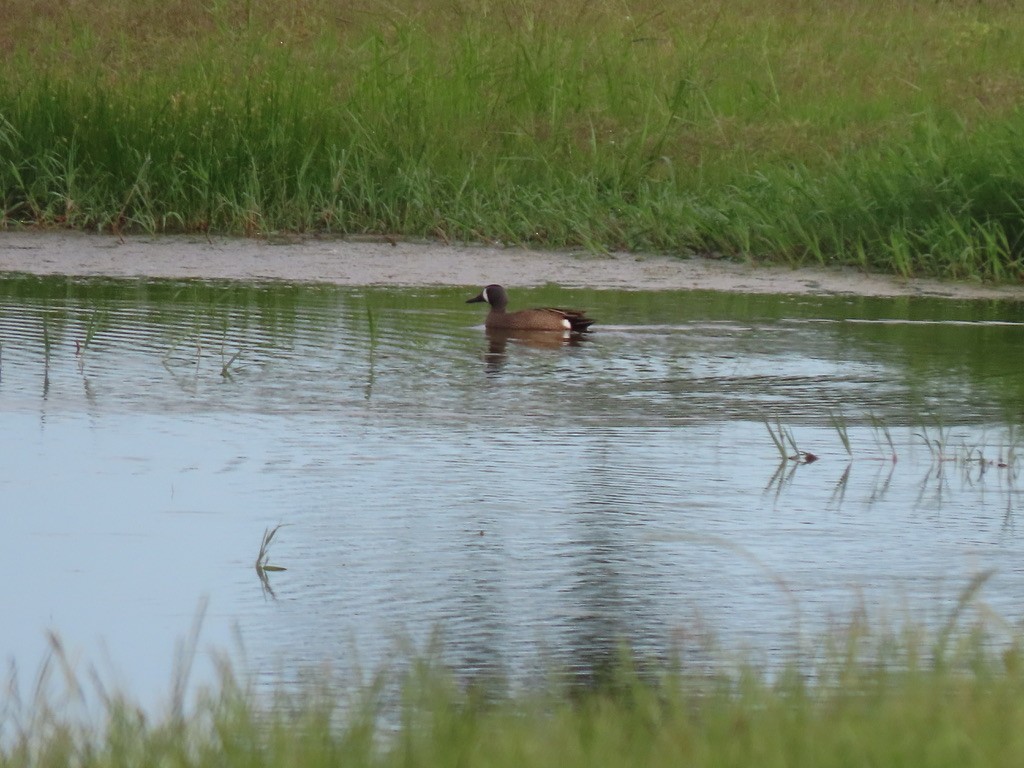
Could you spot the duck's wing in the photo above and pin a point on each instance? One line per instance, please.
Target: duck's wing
(577, 318)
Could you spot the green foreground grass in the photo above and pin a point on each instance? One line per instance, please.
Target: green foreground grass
(885, 135)
(894, 703)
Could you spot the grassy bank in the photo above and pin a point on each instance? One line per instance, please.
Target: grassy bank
(898, 702)
(881, 134)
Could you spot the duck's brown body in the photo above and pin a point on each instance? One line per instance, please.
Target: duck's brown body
(540, 319)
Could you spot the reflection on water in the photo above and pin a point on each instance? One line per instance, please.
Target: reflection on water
(498, 340)
(534, 501)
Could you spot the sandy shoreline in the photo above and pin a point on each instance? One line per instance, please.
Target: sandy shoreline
(370, 262)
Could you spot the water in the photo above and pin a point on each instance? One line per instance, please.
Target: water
(523, 505)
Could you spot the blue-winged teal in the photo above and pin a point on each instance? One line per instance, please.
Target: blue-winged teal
(540, 319)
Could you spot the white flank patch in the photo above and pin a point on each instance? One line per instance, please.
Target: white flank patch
(566, 324)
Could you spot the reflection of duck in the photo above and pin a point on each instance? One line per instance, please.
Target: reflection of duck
(540, 319)
(498, 339)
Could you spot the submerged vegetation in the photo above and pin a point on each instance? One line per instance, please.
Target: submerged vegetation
(1005, 453)
(885, 135)
(891, 699)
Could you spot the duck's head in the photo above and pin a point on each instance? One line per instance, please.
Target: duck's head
(493, 294)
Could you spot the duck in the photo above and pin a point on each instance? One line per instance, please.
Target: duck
(539, 319)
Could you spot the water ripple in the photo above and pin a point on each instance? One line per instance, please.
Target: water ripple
(533, 503)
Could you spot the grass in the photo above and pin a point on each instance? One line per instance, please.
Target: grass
(225, 368)
(879, 698)
(937, 439)
(881, 135)
(782, 437)
(262, 564)
(262, 557)
(971, 459)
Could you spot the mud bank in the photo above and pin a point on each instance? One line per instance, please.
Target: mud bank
(376, 262)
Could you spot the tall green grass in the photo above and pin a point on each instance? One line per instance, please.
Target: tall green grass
(883, 135)
(875, 700)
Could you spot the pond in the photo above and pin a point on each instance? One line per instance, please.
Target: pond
(523, 505)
